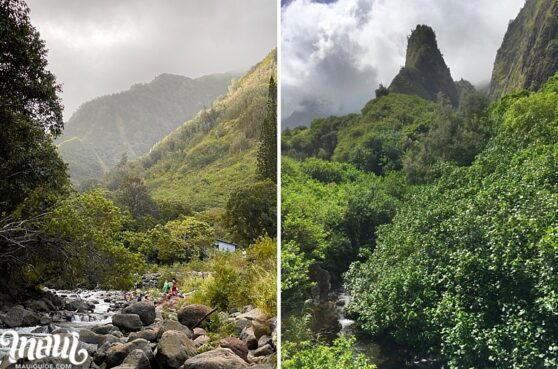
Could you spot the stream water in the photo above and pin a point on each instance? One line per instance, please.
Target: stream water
(101, 315)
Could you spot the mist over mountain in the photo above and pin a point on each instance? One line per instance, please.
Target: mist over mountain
(129, 123)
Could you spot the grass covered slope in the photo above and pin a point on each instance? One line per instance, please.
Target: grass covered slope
(202, 161)
(132, 121)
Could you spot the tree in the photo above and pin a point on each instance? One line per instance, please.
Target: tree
(267, 150)
(28, 88)
(133, 195)
(92, 226)
(29, 110)
(252, 212)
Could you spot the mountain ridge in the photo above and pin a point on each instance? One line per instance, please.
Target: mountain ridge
(129, 122)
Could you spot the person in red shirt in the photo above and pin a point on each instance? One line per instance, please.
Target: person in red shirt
(174, 290)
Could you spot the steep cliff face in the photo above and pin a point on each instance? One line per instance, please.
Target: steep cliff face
(425, 73)
(529, 53)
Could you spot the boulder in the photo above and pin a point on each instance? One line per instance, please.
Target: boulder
(148, 334)
(104, 329)
(201, 340)
(264, 340)
(135, 360)
(260, 328)
(145, 310)
(100, 355)
(87, 336)
(173, 325)
(127, 322)
(255, 314)
(173, 349)
(79, 306)
(189, 315)
(44, 306)
(219, 358)
(116, 354)
(236, 345)
(247, 335)
(265, 350)
(17, 316)
(240, 324)
(199, 332)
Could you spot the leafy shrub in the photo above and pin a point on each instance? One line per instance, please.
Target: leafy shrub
(305, 355)
(239, 280)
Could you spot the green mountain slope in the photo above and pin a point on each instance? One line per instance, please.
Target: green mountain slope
(425, 73)
(204, 159)
(529, 53)
(131, 122)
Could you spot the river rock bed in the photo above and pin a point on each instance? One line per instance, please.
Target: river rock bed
(136, 335)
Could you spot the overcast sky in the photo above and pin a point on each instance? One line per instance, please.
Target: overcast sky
(335, 53)
(105, 46)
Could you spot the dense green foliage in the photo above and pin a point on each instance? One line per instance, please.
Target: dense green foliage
(267, 149)
(465, 274)
(29, 90)
(132, 121)
(528, 55)
(91, 226)
(252, 212)
(330, 212)
(239, 280)
(309, 356)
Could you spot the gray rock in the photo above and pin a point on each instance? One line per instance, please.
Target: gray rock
(173, 349)
(101, 353)
(127, 322)
(79, 306)
(264, 340)
(199, 332)
(17, 316)
(201, 340)
(148, 334)
(173, 325)
(236, 345)
(104, 329)
(240, 324)
(116, 354)
(145, 310)
(220, 358)
(135, 360)
(247, 335)
(265, 350)
(87, 336)
(189, 315)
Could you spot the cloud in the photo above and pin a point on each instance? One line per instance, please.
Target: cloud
(334, 55)
(101, 47)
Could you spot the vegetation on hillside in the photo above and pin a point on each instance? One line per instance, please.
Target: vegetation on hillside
(129, 123)
(438, 219)
(110, 232)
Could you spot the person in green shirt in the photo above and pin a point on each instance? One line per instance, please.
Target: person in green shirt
(166, 287)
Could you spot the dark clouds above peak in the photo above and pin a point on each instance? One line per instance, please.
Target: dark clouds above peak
(335, 54)
(104, 46)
